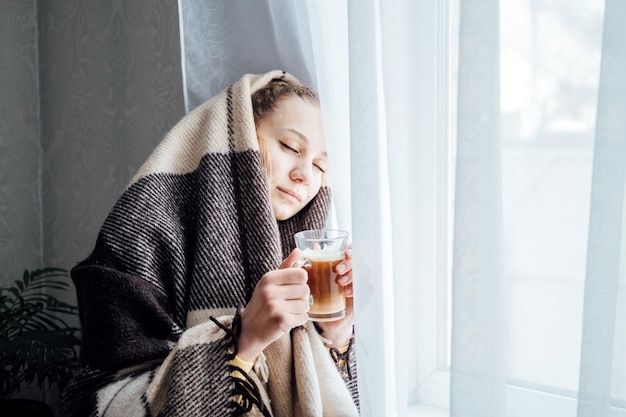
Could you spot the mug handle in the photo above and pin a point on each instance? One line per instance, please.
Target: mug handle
(302, 263)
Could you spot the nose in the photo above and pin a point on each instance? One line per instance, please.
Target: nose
(302, 172)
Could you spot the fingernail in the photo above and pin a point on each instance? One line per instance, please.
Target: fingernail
(343, 280)
(341, 268)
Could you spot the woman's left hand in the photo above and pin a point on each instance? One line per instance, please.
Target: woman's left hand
(340, 331)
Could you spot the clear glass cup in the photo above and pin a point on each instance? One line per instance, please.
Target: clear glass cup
(322, 250)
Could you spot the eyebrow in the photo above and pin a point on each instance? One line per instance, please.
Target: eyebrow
(302, 137)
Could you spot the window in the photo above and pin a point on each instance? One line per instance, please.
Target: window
(548, 105)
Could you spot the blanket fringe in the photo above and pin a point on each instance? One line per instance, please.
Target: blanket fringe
(246, 393)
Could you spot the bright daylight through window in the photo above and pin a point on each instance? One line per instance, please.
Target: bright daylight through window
(547, 119)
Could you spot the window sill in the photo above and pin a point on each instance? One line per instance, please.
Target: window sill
(427, 411)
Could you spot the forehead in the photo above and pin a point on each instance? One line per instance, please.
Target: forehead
(294, 108)
(294, 114)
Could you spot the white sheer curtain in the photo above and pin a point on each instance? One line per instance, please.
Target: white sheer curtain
(603, 355)
(538, 281)
(486, 206)
(478, 373)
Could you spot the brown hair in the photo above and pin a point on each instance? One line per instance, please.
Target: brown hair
(264, 101)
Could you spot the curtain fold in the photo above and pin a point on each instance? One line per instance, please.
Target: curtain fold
(371, 221)
(223, 40)
(603, 338)
(327, 24)
(477, 374)
(522, 173)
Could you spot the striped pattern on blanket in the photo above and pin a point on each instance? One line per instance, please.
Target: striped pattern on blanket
(190, 237)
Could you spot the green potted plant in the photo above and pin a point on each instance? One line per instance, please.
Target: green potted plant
(37, 345)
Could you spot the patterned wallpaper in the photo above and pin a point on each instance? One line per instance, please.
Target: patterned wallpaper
(87, 89)
(20, 208)
(111, 86)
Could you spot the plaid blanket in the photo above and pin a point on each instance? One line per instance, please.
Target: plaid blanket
(186, 244)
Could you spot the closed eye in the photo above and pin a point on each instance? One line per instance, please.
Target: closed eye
(320, 168)
(289, 148)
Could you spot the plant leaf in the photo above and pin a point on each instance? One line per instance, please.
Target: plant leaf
(36, 343)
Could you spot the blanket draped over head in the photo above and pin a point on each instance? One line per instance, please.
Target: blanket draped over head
(185, 245)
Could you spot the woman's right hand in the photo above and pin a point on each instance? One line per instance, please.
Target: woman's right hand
(279, 303)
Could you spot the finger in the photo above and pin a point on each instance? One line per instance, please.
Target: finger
(289, 276)
(349, 306)
(344, 266)
(345, 279)
(290, 320)
(291, 292)
(291, 259)
(297, 307)
(292, 315)
(348, 291)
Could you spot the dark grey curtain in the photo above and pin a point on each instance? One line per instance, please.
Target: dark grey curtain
(87, 88)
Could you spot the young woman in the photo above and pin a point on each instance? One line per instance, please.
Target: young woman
(189, 303)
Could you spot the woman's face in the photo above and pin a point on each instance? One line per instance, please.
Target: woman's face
(293, 140)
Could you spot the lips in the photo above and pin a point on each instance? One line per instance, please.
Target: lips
(290, 194)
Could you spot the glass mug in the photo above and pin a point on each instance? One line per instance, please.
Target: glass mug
(322, 250)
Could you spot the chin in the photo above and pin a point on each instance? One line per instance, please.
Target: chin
(283, 216)
(281, 213)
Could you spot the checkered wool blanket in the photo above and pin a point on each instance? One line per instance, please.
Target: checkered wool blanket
(183, 247)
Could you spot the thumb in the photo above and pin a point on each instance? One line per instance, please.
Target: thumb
(291, 259)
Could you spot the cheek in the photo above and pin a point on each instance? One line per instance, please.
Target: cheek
(315, 188)
(279, 161)
(275, 169)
